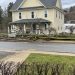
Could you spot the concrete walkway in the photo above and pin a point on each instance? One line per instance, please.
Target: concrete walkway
(53, 53)
(22, 55)
(17, 57)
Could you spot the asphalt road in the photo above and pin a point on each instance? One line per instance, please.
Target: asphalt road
(20, 46)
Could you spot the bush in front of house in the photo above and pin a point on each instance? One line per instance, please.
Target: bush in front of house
(59, 37)
(3, 35)
(49, 38)
(33, 37)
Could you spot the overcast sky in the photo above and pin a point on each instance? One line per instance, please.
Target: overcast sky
(65, 3)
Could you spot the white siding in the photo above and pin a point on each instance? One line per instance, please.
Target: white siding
(57, 22)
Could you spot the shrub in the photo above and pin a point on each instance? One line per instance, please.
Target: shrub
(37, 69)
(46, 69)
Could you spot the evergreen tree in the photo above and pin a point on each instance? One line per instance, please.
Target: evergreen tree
(8, 12)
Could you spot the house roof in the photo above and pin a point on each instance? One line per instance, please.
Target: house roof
(49, 3)
(16, 5)
(22, 21)
(46, 3)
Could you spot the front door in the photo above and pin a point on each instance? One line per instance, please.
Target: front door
(34, 28)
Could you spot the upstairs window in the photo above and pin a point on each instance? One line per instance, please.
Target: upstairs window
(32, 14)
(20, 16)
(45, 13)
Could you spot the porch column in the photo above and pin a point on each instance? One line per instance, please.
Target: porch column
(8, 30)
(31, 29)
(47, 26)
(37, 31)
(24, 28)
(11, 28)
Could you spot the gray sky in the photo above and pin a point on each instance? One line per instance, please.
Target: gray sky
(65, 3)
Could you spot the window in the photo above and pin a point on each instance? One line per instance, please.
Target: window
(56, 13)
(58, 28)
(66, 27)
(59, 15)
(46, 26)
(32, 14)
(61, 28)
(20, 16)
(12, 26)
(45, 13)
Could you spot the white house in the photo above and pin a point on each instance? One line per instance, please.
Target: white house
(36, 17)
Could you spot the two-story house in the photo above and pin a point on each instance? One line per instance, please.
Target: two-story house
(36, 17)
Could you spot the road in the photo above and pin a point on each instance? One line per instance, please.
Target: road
(20, 46)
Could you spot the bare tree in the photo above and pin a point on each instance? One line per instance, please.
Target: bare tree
(52, 30)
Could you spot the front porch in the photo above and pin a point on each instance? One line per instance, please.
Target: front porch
(28, 26)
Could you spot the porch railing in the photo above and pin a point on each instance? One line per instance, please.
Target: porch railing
(28, 31)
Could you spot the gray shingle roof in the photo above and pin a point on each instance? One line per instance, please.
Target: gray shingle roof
(46, 3)
(16, 5)
(38, 20)
(49, 3)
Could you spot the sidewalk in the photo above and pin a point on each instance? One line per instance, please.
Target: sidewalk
(22, 55)
(17, 57)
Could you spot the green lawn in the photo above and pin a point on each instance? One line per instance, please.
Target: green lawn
(43, 58)
(43, 64)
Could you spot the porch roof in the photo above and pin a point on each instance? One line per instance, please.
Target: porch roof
(23, 21)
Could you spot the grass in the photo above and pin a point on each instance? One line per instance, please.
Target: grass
(43, 58)
(43, 64)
